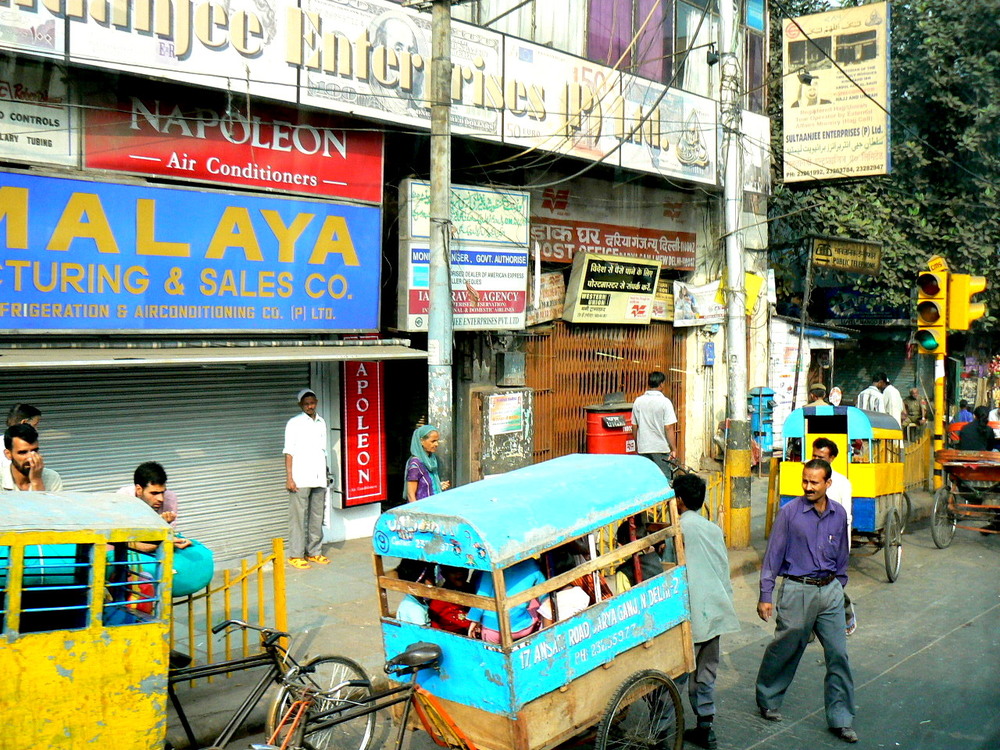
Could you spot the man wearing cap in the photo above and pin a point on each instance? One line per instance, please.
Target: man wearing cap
(817, 395)
(305, 480)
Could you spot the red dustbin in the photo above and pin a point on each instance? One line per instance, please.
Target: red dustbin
(609, 426)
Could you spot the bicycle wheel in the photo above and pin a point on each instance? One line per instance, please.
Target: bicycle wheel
(645, 714)
(942, 519)
(330, 671)
(438, 723)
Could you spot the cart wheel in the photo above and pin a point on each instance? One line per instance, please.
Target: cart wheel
(892, 545)
(645, 714)
(942, 519)
(905, 513)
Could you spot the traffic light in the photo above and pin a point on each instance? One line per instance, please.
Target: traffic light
(932, 312)
(961, 310)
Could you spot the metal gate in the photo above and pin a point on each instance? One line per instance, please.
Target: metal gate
(573, 366)
(217, 430)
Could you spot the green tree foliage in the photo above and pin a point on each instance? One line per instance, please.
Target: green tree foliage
(942, 195)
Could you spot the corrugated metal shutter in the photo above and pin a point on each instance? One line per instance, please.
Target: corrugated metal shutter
(218, 431)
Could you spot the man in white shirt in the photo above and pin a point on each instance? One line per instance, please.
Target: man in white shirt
(653, 421)
(891, 399)
(841, 491)
(25, 469)
(994, 419)
(870, 399)
(305, 480)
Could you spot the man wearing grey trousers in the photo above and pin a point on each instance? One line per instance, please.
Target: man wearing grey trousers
(305, 480)
(809, 547)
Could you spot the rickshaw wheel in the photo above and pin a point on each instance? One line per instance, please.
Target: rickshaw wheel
(892, 545)
(327, 672)
(905, 512)
(644, 714)
(942, 519)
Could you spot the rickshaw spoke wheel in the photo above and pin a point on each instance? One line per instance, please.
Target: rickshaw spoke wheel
(330, 671)
(644, 714)
(942, 519)
(892, 541)
(905, 513)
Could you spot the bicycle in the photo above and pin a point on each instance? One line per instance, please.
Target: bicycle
(323, 675)
(343, 716)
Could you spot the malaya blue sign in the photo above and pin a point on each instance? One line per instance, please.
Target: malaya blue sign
(81, 255)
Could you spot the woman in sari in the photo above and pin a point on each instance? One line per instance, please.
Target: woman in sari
(422, 478)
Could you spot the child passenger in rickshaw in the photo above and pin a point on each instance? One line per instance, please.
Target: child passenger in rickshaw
(650, 561)
(576, 595)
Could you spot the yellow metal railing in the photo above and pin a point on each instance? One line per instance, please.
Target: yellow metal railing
(917, 463)
(660, 513)
(245, 594)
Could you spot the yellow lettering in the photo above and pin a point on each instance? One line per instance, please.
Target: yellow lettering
(83, 217)
(208, 285)
(286, 236)
(136, 280)
(145, 234)
(309, 280)
(14, 208)
(235, 230)
(18, 266)
(383, 60)
(72, 276)
(334, 238)
(207, 18)
(246, 26)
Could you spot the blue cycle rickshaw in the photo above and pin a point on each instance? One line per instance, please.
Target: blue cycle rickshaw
(609, 666)
(870, 446)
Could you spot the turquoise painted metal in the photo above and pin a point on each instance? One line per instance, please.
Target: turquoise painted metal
(494, 523)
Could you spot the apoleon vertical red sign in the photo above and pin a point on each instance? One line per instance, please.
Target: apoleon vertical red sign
(364, 434)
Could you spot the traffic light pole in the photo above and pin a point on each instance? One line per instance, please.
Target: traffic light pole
(939, 410)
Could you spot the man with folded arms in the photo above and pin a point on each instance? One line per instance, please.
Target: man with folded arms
(808, 548)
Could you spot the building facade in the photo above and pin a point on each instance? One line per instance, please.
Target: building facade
(208, 206)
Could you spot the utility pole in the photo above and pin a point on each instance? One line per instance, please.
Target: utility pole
(440, 323)
(737, 467)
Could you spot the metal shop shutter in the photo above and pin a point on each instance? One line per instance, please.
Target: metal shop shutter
(217, 430)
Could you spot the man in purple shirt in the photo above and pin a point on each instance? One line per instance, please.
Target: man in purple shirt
(809, 547)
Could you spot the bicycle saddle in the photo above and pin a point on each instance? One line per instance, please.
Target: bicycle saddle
(416, 655)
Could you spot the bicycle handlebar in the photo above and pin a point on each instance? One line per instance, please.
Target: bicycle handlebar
(270, 635)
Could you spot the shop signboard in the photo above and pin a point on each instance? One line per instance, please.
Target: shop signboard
(83, 255)
(590, 216)
(562, 104)
(668, 132)
(547, 298)
(611, 289)
(364, 434)
(236, 45)
(489, 257)
(853, 256)
(371, 58)
(38, 122)
(697, 305)
(836, 88)
(270, 147)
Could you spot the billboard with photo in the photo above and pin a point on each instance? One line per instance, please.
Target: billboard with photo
(836, 94)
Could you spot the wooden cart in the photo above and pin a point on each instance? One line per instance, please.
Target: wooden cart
(971, 493)
(609, 666)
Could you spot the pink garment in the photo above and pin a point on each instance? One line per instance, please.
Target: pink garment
(493, 636)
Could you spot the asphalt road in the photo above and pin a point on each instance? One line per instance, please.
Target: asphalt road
(926, 658)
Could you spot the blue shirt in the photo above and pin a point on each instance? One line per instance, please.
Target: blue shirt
(517, 578)
(806, 543)
(964, 416)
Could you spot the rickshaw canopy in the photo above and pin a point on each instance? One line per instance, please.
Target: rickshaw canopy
(99, 512)
(863, 425)
(493, 523)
